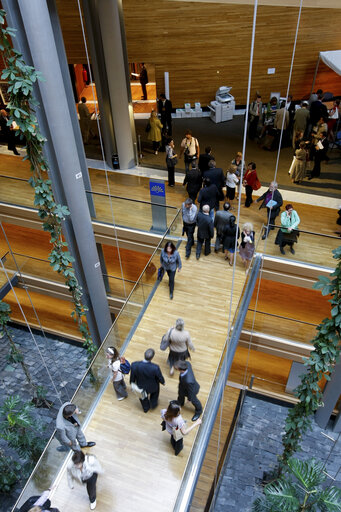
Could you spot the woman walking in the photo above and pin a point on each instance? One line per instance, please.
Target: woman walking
(175, 425)
(170, 261)
(179, 343)
(247, 245)
(288, 233)
(171, 161)
(229, 239)
(250, 182)
(154, 133)
(114, 363)
(84, 469)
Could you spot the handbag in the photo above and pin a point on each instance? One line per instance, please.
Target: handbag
(148, 127)
(165, 340)
(177, 434)
(257, 185)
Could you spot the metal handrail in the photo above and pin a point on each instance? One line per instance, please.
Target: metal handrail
(302, 231)
(282, 317)
(196, 458)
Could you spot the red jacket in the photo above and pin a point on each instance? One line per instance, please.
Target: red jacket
(251, 178)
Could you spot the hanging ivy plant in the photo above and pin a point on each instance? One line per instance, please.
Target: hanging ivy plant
(21, 79)
(320, 364)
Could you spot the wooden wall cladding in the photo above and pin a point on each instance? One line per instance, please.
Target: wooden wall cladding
(204, 46)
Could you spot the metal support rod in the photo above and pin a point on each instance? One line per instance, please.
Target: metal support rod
(315, 75)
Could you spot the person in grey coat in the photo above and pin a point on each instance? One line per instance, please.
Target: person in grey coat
(170, 261)
(205, 231)
(221, 220)
(69, 429)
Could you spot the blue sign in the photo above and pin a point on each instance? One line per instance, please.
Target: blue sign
(157, 188)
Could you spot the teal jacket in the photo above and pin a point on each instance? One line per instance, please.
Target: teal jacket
(289, 222)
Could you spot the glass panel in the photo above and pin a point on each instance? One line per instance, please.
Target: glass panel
(89, 389)
(130, 213)
(281, 327)
(307, 249)
(16, 191)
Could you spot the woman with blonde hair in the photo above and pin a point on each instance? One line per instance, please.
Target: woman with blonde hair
(154, 133)
(179, 343)
(247, 245)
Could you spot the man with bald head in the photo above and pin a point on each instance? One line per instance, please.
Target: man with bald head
(205, 230)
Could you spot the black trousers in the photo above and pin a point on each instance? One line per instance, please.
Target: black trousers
(194, 400)
(150, 402)
(171, 175)
(253, 127)
(200, 241)
(156, 145)
(91, 487)
(177, 445)
(144, 90)
(189, 230)
(248, 192)
(171, 275)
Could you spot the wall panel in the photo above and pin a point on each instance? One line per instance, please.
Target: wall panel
(204, 46)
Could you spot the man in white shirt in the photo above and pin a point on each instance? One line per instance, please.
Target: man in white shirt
(190, 147)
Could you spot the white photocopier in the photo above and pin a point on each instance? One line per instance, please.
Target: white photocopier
(223, 107)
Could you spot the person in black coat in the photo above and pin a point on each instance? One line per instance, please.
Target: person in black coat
(193, 180)
(148, 377)
(7, 132)
(216, 175)
(188, 387)
(320, 155)
(143, 81)
(318, 109)
(164, 107)
(204, 158)
(205, 230)
(209, 195)
(271, 194)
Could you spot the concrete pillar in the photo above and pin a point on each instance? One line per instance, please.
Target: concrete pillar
(105, 29)
(56, 118)
(331, 395)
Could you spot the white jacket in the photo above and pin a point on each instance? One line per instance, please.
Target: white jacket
(90, 466)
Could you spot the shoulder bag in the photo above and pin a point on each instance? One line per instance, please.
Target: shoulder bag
(165, 340)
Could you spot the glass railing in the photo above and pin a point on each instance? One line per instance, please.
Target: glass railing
(121, 211)
(16, 191)
(279, 326)
(262, 385)
(96, 378)
(315, 248)
(131, 213)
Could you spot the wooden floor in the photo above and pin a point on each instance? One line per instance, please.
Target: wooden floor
(131, 446)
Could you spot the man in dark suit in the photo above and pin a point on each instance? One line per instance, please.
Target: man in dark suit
(221, 220)
(318, 109)
(204, 158)
(209, 194)
(216, 175)
(148, 377)
(205, 230)
(165, 110)
(320, 155)
(188, 387)
(143, 81)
